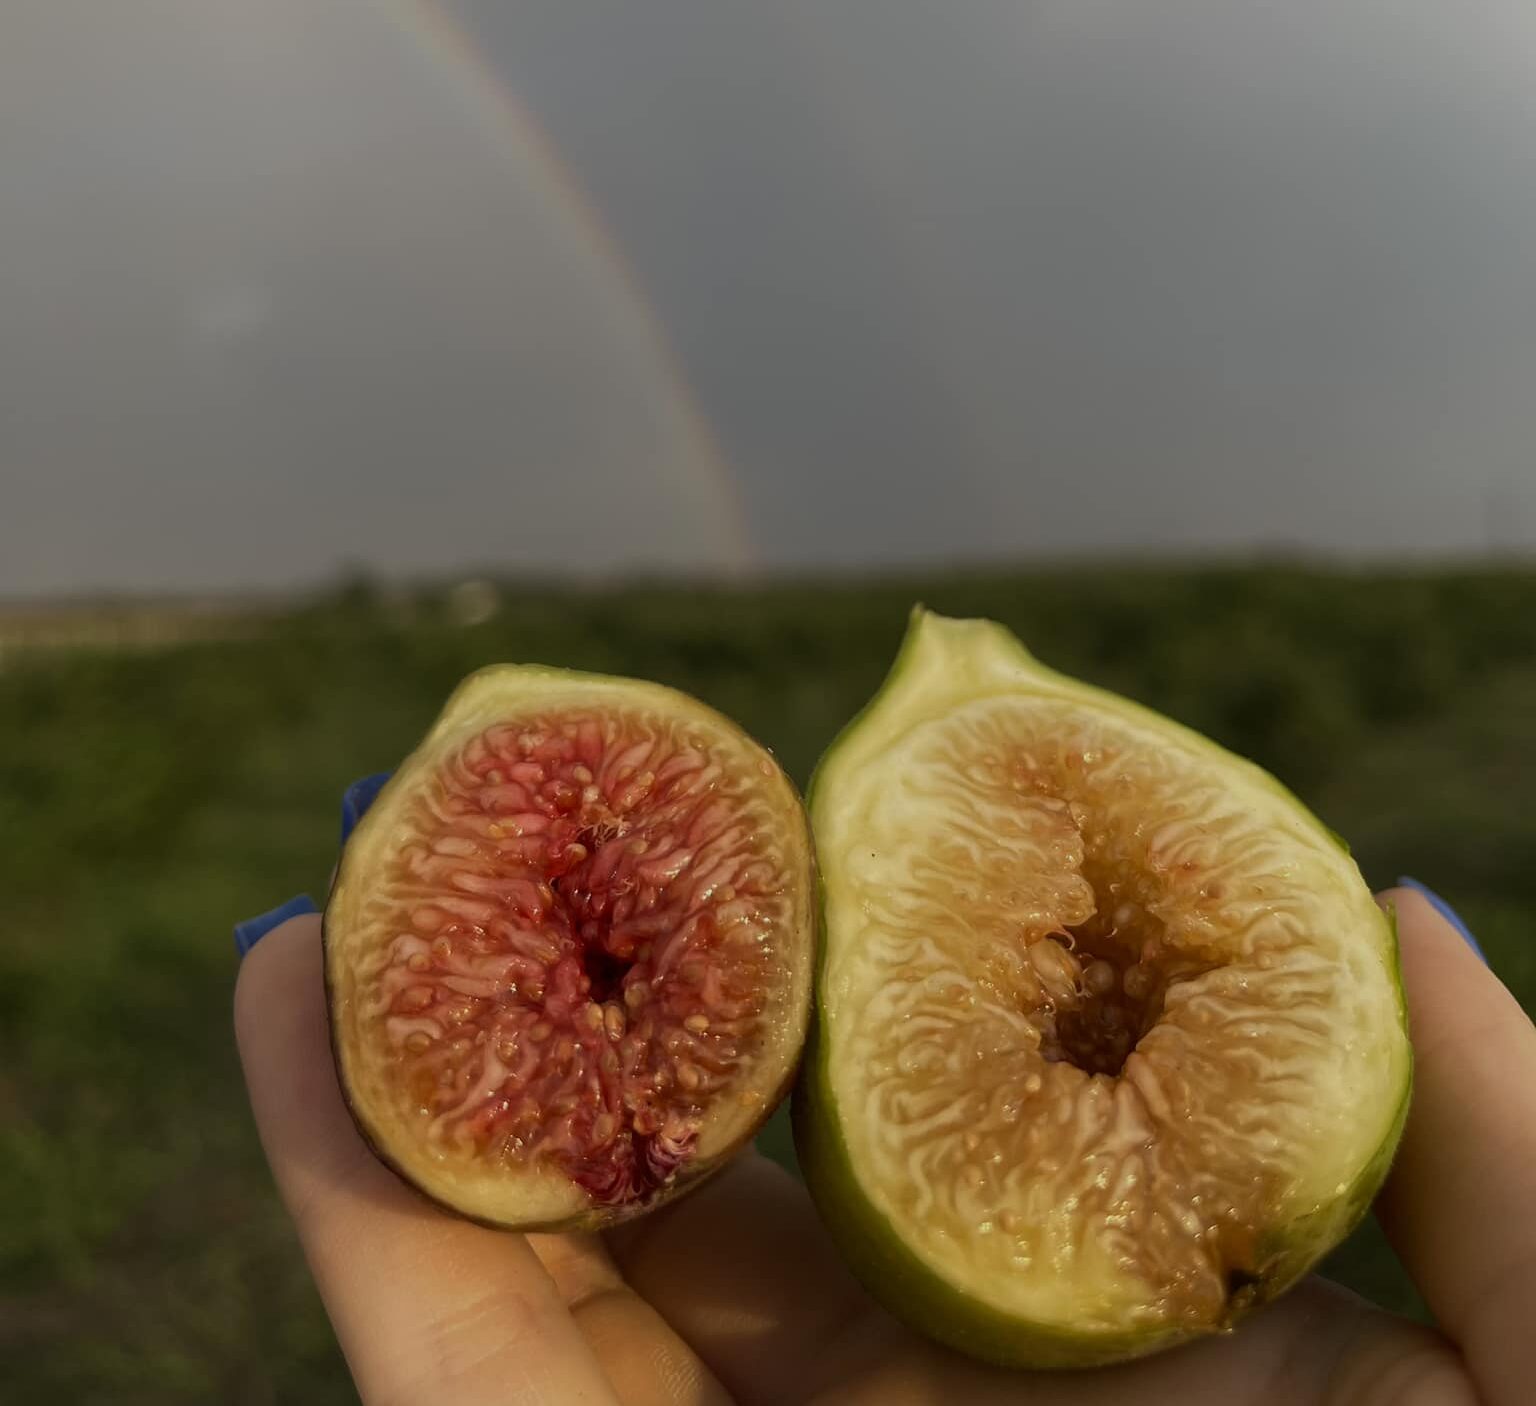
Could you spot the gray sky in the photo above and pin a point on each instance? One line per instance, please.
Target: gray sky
(287, 287)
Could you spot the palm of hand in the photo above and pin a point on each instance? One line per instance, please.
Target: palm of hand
(736, 1295)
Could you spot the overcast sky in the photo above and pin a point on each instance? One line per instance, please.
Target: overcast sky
(585, 284)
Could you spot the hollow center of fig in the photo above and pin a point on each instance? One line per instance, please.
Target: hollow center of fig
(1102, 981)
(585, 916)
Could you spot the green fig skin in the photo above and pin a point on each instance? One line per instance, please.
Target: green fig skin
(874, 1246)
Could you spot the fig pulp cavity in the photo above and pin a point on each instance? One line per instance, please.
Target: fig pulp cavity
(569, 949)
(1109, 1042)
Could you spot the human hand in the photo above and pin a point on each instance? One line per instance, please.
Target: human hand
(735, 1294)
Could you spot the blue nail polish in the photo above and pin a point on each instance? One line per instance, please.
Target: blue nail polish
(252, 930)
(1445, 910)
(360, 795)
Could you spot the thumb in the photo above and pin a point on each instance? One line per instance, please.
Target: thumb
(427, 1307)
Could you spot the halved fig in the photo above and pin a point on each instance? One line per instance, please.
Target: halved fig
(1109, 1041)
(569, 949)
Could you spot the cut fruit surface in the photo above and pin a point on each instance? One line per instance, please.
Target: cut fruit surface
(1109, 1040)
(569, 949)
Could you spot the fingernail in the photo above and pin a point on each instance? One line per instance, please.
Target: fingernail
(1445, 910)
(359, 796)
(252, 930)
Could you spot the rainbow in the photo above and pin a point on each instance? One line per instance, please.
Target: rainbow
(702, 476)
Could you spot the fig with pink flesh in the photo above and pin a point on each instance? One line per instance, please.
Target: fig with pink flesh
(569, 949)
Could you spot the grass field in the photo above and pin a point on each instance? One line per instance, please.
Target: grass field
(150, 798)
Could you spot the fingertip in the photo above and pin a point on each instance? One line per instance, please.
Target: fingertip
(268, 975)
(1435, 955)
(1444, 909)
(252, 930)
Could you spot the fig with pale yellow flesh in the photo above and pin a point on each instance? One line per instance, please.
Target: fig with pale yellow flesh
(569, 949)
(1109, 1042)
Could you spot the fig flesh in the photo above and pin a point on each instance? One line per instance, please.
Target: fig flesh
(569, 948)
(1109, 1041)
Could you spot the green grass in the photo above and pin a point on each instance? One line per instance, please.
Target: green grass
(149, 800)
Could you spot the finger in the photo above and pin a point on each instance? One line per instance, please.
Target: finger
(1458, 1203)
(744, 1271)
(645, 1359)
(427, 1307)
